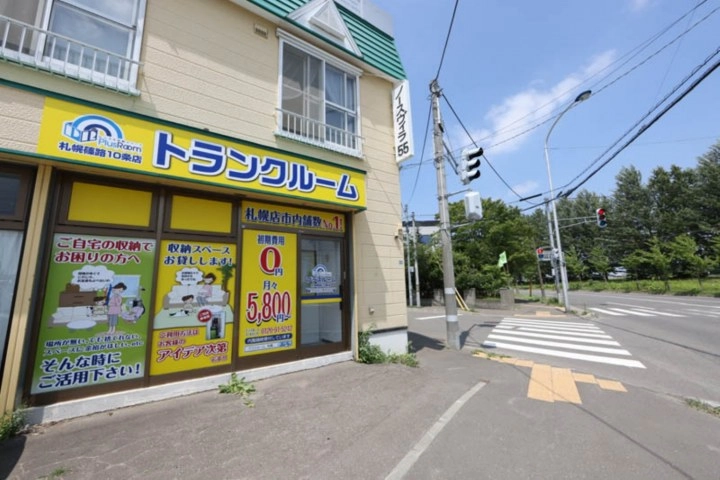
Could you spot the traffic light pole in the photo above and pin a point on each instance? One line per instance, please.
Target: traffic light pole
(417, 271)
(407, 258)
(451, 317)
(553, 258)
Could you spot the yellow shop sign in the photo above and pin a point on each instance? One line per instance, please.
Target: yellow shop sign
(82, 134)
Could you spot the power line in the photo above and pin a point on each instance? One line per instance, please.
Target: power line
(447, 39)
(638, 49)
(422, 154)
(657, 52)
(645, 127)
(655, 107)
(473, 141)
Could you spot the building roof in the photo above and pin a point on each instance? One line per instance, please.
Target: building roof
(377, 48)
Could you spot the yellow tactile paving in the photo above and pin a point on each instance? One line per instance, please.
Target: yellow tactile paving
(611, 385)
(525, 363)
(584, 378)
(540, 386)
(564, 388)
(551, 384)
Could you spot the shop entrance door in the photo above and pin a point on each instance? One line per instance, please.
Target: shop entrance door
(322, 277)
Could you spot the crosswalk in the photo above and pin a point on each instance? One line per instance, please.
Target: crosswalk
(557, 338)
(637, 311)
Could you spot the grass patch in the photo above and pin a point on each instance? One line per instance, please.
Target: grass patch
(710, 287)
(12, 423)
(238, 386)
(482, 353)
(703, 407)
(57, 473)
(370, 353)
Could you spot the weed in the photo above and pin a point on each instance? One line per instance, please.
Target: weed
(371, 353)
(703, 407)
(12, 423)
(238, 386)
(490, 354)
(57, 473)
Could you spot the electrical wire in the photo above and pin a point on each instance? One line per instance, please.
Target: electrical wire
(447, 39)
(645, 127)
(638, 49)
(422, 154)
(476, 145)
(639, 121)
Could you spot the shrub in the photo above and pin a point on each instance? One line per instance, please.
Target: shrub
(11, 424)
(371, 353)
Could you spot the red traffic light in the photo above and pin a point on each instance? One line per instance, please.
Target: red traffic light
(601, 218)
(539, 251)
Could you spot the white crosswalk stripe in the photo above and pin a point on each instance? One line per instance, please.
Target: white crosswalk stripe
(566, 339)
(639, 311)
(704, 313)
(661, 314)
(607, 312)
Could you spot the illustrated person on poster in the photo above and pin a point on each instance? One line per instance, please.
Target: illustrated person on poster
(114, 303)
(205, 291)
(187, 308)
(136, 311)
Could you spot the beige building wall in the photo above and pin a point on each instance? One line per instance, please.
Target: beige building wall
(205, 66)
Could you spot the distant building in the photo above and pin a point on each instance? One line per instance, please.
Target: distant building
(426, 229)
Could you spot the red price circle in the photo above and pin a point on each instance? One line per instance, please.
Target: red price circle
(204, 315)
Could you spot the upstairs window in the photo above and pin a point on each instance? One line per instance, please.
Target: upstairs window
(319, 99)
(97, 41)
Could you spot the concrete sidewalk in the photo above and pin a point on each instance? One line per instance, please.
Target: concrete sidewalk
(346, 420)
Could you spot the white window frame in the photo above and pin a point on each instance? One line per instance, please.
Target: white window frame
(325, 58)
(40, 33)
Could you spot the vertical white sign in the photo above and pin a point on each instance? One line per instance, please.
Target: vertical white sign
(402, 120)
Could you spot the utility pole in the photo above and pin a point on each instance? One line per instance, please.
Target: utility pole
(451, 317)
(417, 271)
(407, 257)
(554, 261)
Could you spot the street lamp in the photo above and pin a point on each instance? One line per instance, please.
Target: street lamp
(563, 271)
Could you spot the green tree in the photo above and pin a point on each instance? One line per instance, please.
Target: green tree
(629, 216)
(673, 202)
(684, 258)
(599, 261)
(477, 246)
(651, 262)
(576, 268)
(707, 198)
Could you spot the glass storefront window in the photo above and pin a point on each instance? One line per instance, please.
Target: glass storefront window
(11, 242)
(10, 184)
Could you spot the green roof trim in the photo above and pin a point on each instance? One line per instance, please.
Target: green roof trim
(378, 48)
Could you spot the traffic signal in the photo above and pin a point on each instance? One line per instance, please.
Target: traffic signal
(470, 165)
(601, 220)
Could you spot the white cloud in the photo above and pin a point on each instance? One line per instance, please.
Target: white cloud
(523, 110)
(637, 5)
(522, 189)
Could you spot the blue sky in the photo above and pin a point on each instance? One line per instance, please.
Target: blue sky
(511, 65)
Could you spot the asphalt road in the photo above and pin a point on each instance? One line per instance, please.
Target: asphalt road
(676, 338)
(643, 429)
